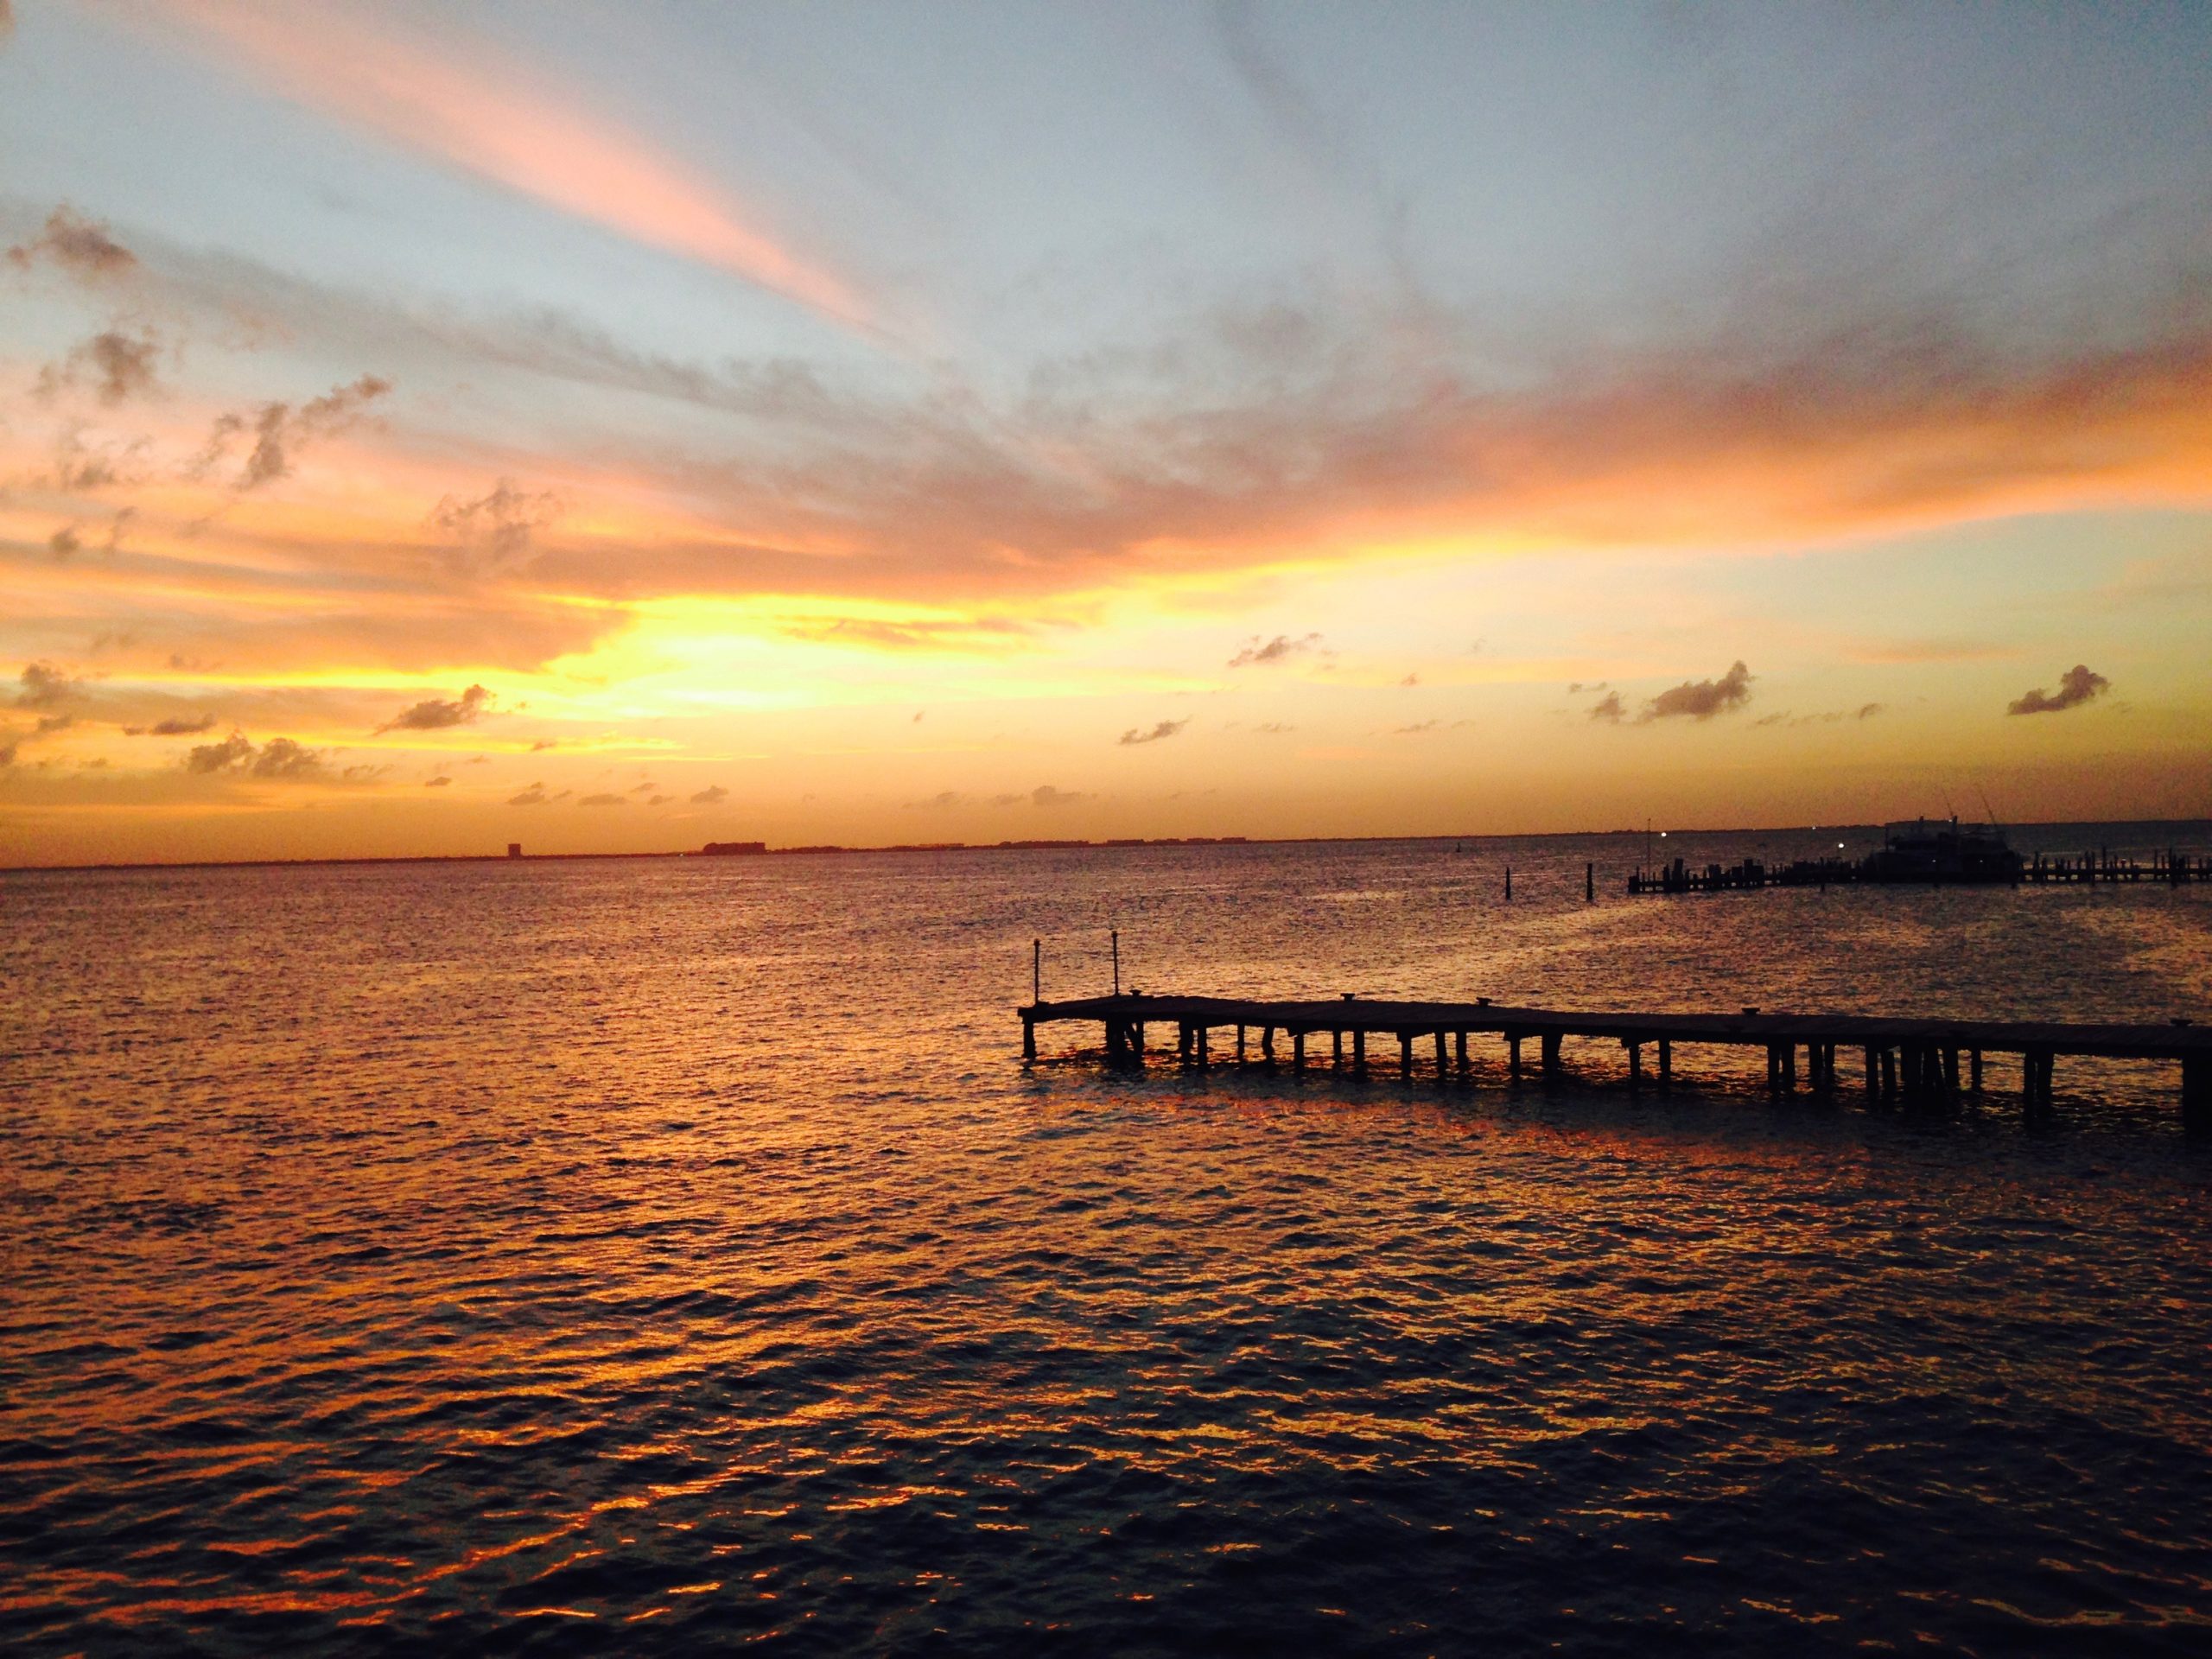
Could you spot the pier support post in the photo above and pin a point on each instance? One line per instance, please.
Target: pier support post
(1406, 1055)
(1443, 1070)
(1464, 1067)
(1872, 1062)
(1335, 1046)
(1951, 1069)
(1359, 1051)
(1028, 1038)
(1298, 1049)
(1202, 1047)
(1551, 1053)
(1268, 1044)
(1635, 1064)
(1666, 1064)
(1182, 1041)
(1513, 1055)
(2196, 1093)
(1974, 1070)
(1239, 1042)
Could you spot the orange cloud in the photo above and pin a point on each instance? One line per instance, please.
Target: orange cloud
(515, 130)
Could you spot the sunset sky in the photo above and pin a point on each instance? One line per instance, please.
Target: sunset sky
(623, 426)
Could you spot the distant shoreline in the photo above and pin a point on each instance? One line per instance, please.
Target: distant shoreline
(756, 850)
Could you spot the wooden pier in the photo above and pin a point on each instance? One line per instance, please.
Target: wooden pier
(2171, 869)
(1894, 1059)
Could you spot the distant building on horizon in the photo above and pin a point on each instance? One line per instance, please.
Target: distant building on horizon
(514, 849)
(732, 849)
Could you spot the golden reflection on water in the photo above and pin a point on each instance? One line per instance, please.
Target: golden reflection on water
(449, 1253)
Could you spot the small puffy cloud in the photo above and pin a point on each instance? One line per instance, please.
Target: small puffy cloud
(660, 800)
(1166, 729)
(44, 686)
(534, 795)
(79, 245)
(175, 726)
(65, 543)
(713, 795)
(437, 783)
(1274, 728)
(1281, 648)
(115, 365)
(544, 744)
(604, 800)
(280, 757)
(1046, 795)
(363, 774)
(232, 751)
(436, 713)
(1702, 699)
(1608, 708)
(1868, 710)
(2077, 686)
(1410, 679)
(48, 724)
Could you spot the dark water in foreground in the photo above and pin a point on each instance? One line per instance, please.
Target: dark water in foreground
(669, 1257)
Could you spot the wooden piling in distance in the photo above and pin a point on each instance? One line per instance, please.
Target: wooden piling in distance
(1406, 1055)
(1666, 1064)
(1298, 1049)
(1028, 1038)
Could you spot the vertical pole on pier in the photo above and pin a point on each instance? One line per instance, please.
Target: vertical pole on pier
(1036, 970)
(1028, 1038)
(1114, 937)
(1590, 884)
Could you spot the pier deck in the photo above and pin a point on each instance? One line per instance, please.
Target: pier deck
(1896, 1057)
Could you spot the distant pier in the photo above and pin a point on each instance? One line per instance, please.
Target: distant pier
(1894, 1059)
(2088, 869)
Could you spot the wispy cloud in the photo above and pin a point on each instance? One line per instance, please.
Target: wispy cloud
(1280, 649)
(458, 103)
(1166, 729)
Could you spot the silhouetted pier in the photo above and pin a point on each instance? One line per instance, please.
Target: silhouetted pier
(2173, 869)
(1894, 1059)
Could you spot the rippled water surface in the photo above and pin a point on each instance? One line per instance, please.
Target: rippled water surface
(673, 1255)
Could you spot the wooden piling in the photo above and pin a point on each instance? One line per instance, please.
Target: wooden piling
(1028, 1039)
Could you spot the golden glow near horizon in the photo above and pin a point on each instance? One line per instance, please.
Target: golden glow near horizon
(440, 431)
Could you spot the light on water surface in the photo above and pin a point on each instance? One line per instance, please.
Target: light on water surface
(661, 1255)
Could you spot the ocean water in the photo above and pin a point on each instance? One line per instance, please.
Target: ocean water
(676, 1256)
